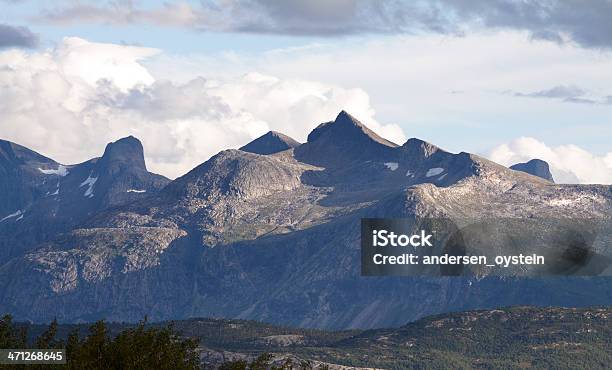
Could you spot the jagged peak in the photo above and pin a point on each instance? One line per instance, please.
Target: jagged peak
(276, 134)
(270, 143)
(536, 167)
(125, 141)
(347, 126)
(418, 147)
(342, 141)
(128, 151)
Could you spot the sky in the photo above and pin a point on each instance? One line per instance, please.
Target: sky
(508, 80)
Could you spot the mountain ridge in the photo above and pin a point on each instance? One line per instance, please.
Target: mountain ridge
(276, 238)
(66, 195)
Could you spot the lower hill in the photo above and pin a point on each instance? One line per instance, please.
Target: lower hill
(516, 337)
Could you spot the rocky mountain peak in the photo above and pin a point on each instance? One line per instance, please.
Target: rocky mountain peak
(270, 143)
(419, 148)
(347, 128)
(344, 140)
(536, 167)
(125, 152)
(234, 174)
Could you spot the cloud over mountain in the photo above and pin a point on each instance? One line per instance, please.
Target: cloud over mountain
(70, 101)
(568, 163)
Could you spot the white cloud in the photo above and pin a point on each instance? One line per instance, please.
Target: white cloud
(70, 101)
(414, 80)
(95, 61)
(557, 21)
(295, 107)
(568, 163)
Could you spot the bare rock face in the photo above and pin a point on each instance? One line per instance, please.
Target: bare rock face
(334, 143)
(276, 237)
(270, 143)
(22, 177)
(91, 255)
(121, 175)
(232, 173)
(124, 153)
(47, 198)
(536, 167)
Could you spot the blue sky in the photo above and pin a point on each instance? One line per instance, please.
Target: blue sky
(170, 39)
(485, 78)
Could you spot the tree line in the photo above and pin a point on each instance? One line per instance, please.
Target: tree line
(138, 347)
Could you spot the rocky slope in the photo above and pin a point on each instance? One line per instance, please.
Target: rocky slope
(277, 238)
(517, 337)
(44, 198)
(23, 175)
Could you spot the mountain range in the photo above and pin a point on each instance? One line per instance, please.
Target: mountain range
(269, 232)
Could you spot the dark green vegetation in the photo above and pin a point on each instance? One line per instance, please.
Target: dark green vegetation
(518, 337)
(136, 347)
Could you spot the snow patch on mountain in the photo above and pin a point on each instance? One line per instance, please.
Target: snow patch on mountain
(56, 192)
(392, 165)
(90, 182)
(60, 171)
(434, 171)
(12, 215)
(136, 191)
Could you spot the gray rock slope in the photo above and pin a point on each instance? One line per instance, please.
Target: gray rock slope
(44, 198)
(270, 143)
(536, 167)
(277, 238)
(21, 180)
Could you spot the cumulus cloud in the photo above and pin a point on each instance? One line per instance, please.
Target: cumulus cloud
(557, 20)
(17, 36)
(93, 62)
(70, 101)
(568, 163)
